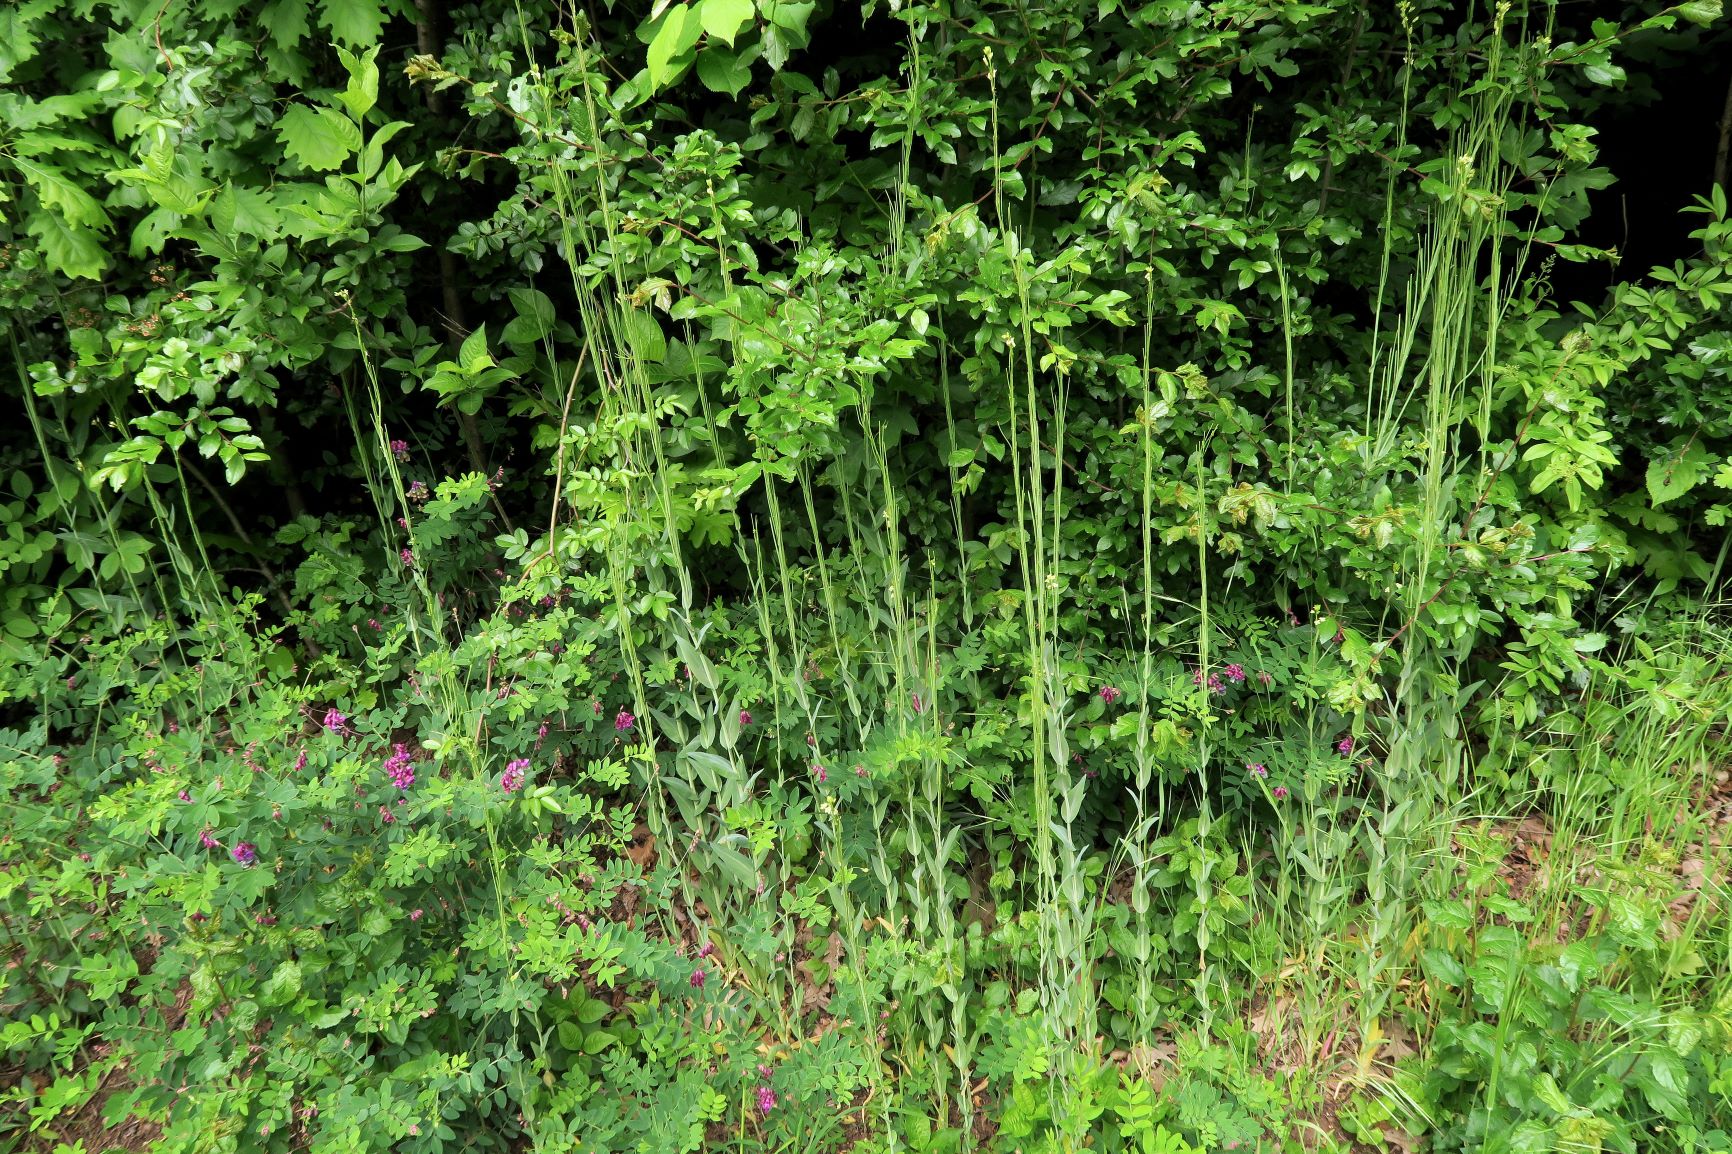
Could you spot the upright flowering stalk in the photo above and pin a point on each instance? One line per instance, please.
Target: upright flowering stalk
(512, 779)
(400, 768)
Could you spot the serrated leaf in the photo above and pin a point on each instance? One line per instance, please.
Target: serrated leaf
(1677, 471)
(74, 252)
(283, 984)
(353, 22)
(1702, 12)
(320, 138)
(244, 210)
(61, 193)
(286, 21)
(723, 19)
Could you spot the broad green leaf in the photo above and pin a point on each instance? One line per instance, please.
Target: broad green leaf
(473, 356)
(320, 138)
(1679, 469)
(1703, 12)
(724, 71)
(363, 90)
(723, 19)
(647, 340)
(283, 984)
(61, 193)
(238, 209)
(534, 316)
(75, 252)
(679, 31)
(353, 22)
(286, 21)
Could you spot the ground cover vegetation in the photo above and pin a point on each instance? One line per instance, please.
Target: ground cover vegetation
(930, 576)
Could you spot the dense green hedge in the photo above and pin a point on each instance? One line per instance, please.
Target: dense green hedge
(776, 575)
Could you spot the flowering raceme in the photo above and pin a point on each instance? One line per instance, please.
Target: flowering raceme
(399, 768)
(512, 779)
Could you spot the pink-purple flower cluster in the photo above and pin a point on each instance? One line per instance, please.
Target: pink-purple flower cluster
(244, 852)
(400, 450)
(512, 779)
(336, 721)
(1110, 694)
(624, 722)
(399, 767)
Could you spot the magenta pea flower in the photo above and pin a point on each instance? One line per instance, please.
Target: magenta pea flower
(400, 768)
(400, 450)
(1263, 677)
(207, 839)
(822, 774)
(1110, 694)
(1279, 792)
(1235, 673)
(417, 491)
(766, 1099)
(624, 722)
(1345, 746)
(244, 852)
(405, 556)
(185, 796)
(745, 718)
(512, 779)
(414, 915)
(698, 978)
(1257, 769)
(301, 761)
(335, 720)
